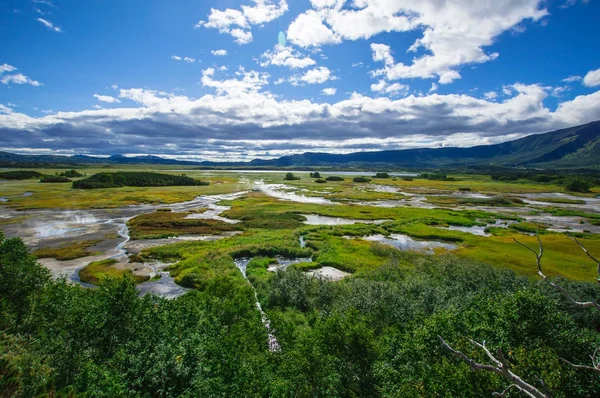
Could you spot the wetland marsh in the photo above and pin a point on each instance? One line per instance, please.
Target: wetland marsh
(293, 253)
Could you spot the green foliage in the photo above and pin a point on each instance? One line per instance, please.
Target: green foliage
(464, 189)
(71, 174)
(291, 177)
(54, 179)
(316, 174)
(320, 181)
(21, 281)
(382, 175)
(436, 177)
(70, 251)
(334, 178)
(361, 179)
(135, 179)
(577, 184)
(371, 335)
(19, 175)
(164, 224)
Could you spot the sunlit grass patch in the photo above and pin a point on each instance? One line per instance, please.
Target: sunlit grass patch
(164, 224)
(70, 251)
(97, 270)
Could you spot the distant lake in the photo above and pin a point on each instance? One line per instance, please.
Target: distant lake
(325, 173)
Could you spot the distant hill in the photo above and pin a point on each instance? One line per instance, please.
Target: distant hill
(572, 147)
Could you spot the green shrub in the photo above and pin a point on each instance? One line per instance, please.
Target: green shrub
(382, 175)
(577, 184)
(134, 179)
(320, 181)
(316, 174)
(52, 179)
(464, 189)
(361, 179)
(19, 175)
(291, 177)
(334, 178)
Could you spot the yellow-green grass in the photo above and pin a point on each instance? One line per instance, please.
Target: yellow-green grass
(477, 183)
(70, 251)
(97, 270)
(256, 206)
(562, 256)
(562, 200)
(62, 196)
(161, 224)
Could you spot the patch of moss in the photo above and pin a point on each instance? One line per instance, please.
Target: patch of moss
(67, 252)
(97, 270)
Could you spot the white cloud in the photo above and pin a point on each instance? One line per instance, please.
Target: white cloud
(219, 53)
(19, 78)
(572, 79)
(286, 56)
(309, 30)
(454, 32)
(592, 78)
(247, 82)
(189, 60)
(329, 91)
(214, 124)
(241, 36)
(49, 25)
(5, 109)
(384, 87)
(106, 98)
(238, 23)
(434, 88)
(314, 76)
(7, 68)
(383, 53)
(490, 95)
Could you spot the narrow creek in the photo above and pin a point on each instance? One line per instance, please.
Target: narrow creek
(242, 264)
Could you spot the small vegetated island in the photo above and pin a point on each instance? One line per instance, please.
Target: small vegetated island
(135, 179)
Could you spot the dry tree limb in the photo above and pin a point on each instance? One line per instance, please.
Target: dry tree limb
(506, 390)
(500, 367)
(581, 304)
(574, 239)
(540, 254)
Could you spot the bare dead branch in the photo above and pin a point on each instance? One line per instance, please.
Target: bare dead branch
(506, 390)
(501, 368)
(586, 367)
(587, 253)
(539, 255)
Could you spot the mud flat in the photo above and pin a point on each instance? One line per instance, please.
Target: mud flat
(331, 273)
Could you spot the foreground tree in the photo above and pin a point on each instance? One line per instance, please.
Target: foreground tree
(501, 366)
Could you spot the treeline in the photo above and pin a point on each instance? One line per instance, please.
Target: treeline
(19, 175)
(374, 335)
(135, 179)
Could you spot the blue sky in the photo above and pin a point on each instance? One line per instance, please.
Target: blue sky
(210, 79)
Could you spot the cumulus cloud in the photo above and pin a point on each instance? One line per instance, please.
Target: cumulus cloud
(592, 78)
(384, 87)
(285, 56)
(19, 78)
(106, 98)
(314, 76)
(219, 53)
(238, 23)
(454, 33)
(49, 25)
(490, 95)
(242, 120)
(329, 91)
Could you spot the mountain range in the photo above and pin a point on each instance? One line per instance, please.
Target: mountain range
(576, 147)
